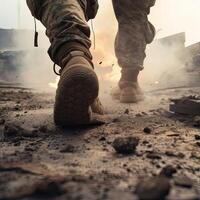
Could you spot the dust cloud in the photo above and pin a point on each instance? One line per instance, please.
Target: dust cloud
(163, 66)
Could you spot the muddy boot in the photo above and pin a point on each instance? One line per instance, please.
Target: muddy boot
(131, 94)
(128, 90)
(77, 90)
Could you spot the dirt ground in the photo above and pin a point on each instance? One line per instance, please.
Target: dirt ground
(41, 161)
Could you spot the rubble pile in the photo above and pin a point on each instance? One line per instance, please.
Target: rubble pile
(189, 105)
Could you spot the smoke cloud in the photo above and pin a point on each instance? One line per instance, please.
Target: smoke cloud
(169, 17)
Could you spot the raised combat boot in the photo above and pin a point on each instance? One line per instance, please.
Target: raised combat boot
(128, 90)
(77, 92)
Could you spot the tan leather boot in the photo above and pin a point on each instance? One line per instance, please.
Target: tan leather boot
(77, 91)
(131, 94)
(128, 90)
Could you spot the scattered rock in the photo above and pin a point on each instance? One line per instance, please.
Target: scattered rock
(197, 137)
(145, 142)
(197, 122)
(48, 189)
(195, 155)
(2, 121)
(147, 130)
(168, 171)
(115, 120)
(125, 145)
(68, 149)
(43, 129)
(154, 188)
(183, 181)
(153, 156)
(11, 130)
(30, 148)
(198, 144)
(173, 135)
(29, 133)
(17, 107)
(102, 138)
(126, 111)
(173, 154)
(138, 115)
(189, 105)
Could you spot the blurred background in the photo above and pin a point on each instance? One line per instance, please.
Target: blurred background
(173, 59)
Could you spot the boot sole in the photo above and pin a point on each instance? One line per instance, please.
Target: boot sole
(77, 90)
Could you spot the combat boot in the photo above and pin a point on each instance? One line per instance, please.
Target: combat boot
(77, 91)
(128, 90)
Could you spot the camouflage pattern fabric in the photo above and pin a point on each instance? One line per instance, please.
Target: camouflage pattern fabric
(66, 24)
(134, 32)
(67, 28)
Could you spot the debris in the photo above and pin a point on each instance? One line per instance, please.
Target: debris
(154, 188)
(183, 181)
(68, 149)
(197, 122)
(48, 189)
(125, 145)
(2, 121)
(197, 137)
(12, 130)
(173, 135)
(147, 130)
(126, 111)
(189, 105)
(153, 156)
(19, 170)
(195, 155)
(43, 129)
(30, 148)
(168, 171)
(102, 138)
(198, 144)
(173, 154)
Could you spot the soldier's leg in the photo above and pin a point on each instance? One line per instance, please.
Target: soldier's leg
(67, 29)
(134, 33)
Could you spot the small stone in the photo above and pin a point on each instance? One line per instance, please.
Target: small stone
(30, 148)
(145, 142)
(183, 181)
(198, 144)
(154, 156)
(2, 121)
(154, 188)
(125, 145)
(102, 138)
(181, 155)
(48, 189)
(168, 171)
(197, 122)
(138, 115)
(12, 130)
(126, 111)
(115, 120)
(197, 137)
(170, 153)
(195, 155)
(173, 154)
(43, 129)
(147, 130)
(68, 149)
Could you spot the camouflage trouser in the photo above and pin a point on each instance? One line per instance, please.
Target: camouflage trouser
(66, 24)
(134, 32)
(67, 29)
